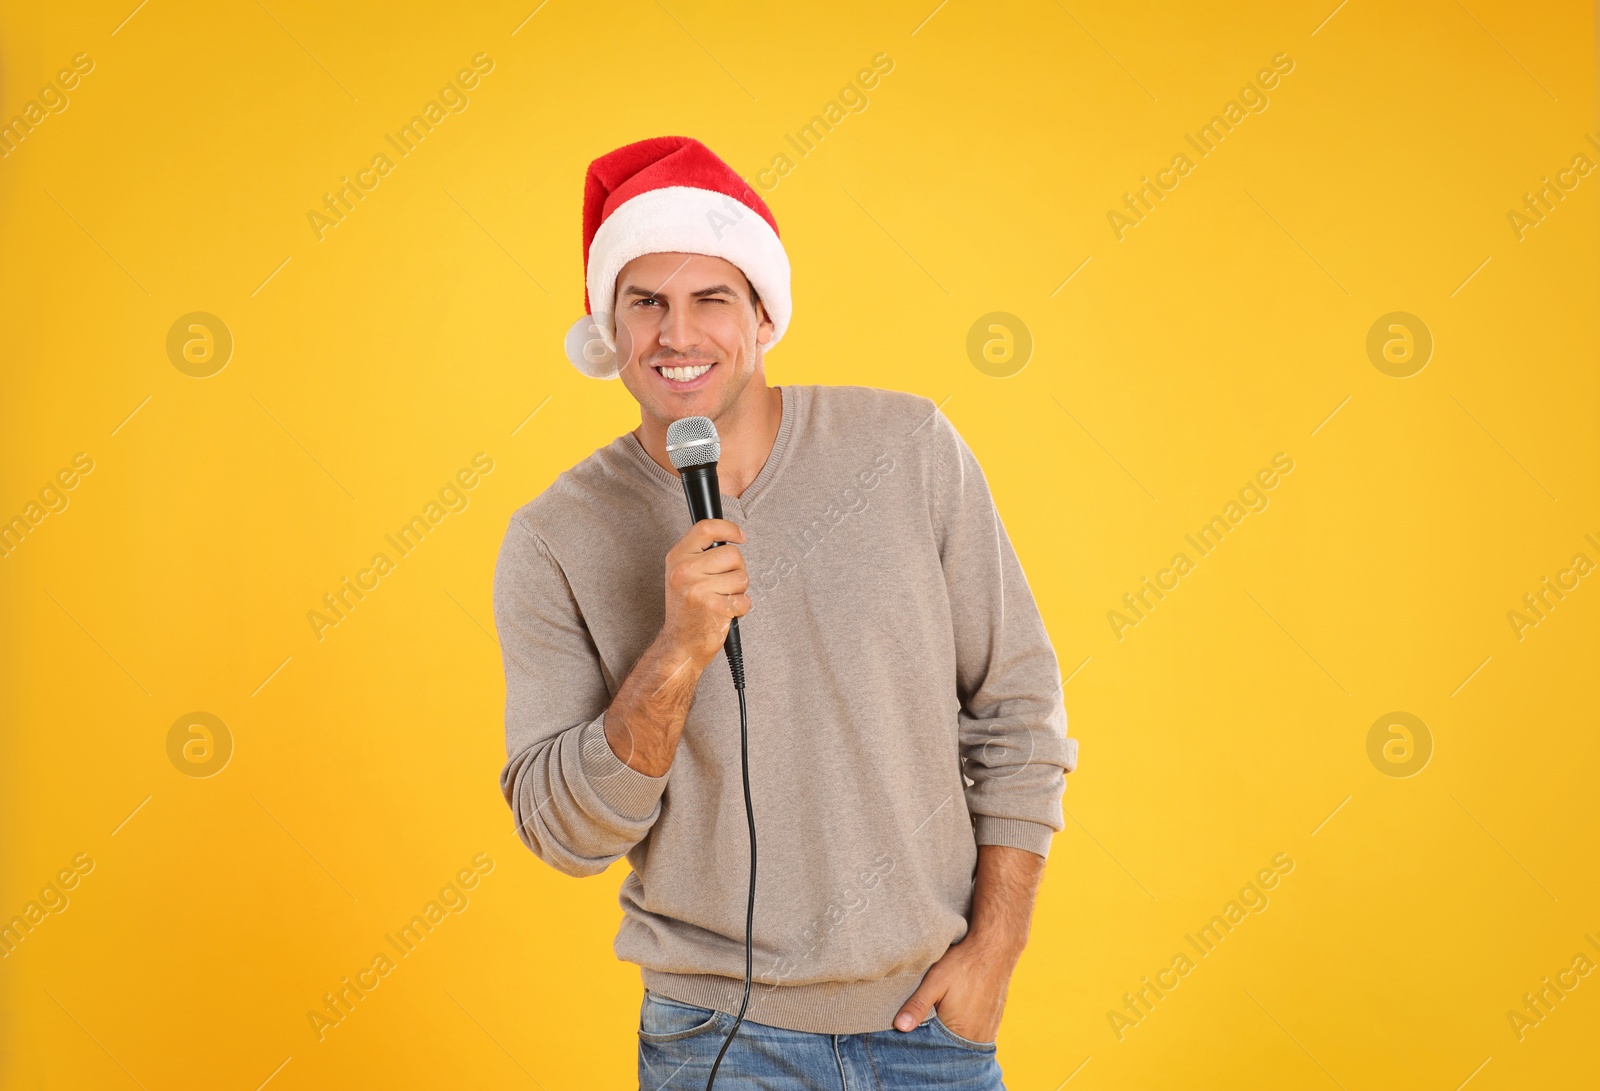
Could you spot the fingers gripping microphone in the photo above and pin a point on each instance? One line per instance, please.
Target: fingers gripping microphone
(694, 447)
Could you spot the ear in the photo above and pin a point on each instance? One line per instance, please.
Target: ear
(766, 327)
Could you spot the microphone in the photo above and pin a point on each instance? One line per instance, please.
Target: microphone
(694, 448)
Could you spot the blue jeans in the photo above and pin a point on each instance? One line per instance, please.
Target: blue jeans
(678, 1042)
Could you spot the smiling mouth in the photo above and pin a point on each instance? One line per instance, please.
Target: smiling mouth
(683, 373)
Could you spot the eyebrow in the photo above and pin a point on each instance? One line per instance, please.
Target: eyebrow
(715, 289)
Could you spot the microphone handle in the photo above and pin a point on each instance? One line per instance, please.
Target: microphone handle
(700, 488)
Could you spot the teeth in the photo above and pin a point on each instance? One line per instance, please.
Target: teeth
(684, 374)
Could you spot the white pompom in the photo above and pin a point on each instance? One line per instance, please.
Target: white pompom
(591, 348)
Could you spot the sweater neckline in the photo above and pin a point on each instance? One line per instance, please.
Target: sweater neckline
(786, 426)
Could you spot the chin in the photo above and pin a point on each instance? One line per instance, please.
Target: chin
(707, 402)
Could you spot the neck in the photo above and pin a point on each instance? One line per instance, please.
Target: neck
(747, 429)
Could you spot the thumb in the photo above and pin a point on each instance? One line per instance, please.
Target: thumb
(916, 1008)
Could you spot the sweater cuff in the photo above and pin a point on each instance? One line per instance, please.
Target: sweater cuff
(632, 794)
(1014, 833)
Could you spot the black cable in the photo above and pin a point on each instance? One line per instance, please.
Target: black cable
(736, 665)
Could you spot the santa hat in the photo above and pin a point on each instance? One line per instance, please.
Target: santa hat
(669, 194)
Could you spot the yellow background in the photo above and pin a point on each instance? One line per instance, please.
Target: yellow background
(1223, 729)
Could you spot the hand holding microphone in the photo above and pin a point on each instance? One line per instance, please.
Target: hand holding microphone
(706, 589)
(694, 448)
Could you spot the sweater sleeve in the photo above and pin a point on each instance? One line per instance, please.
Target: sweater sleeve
(1013, 723)
(576, 804)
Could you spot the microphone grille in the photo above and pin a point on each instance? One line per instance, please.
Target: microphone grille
(693, 441)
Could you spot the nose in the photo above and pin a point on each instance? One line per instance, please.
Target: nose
(678, 330)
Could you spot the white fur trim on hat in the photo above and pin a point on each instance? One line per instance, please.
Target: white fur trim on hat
(676, 219)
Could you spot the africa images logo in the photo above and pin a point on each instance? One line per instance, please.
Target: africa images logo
(452, 99)
(1252, 99)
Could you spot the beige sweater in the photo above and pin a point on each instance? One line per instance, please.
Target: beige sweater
(904, 708)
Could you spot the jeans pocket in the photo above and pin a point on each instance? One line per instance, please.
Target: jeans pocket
(663, 1020)
(966, 1043)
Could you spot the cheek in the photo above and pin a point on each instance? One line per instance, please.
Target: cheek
(634, 336)
(736, 338)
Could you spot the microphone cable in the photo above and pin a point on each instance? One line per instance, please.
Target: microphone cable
(736, 666)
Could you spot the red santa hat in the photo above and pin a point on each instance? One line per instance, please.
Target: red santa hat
(669, 194)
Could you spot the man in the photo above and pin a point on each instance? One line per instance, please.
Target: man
(907, 741)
